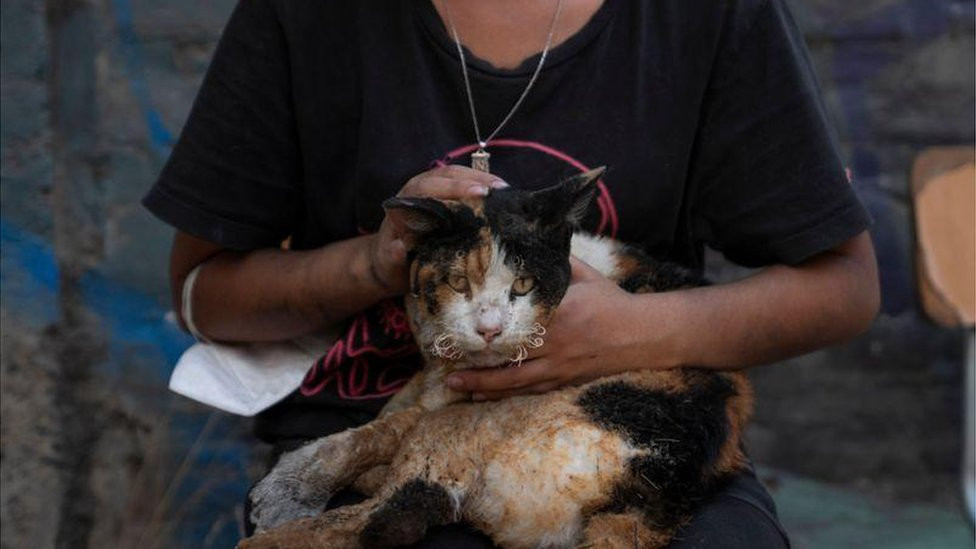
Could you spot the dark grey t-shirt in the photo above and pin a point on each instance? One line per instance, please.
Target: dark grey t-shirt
(312, 112)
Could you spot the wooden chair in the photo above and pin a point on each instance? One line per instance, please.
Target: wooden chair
(944, 195)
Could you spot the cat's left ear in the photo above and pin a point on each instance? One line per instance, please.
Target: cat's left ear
(568, 200)
(420, 215)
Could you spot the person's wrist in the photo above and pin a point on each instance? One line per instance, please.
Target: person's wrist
(368, 271)
(651, 328)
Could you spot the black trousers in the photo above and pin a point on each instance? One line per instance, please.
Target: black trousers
(740, 516)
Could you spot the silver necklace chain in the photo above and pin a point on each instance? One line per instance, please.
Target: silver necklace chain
(479, 159)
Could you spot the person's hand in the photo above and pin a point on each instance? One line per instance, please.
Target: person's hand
(388, 247)
(587, 338)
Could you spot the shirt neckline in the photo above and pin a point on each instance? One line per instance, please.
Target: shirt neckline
(561, 53)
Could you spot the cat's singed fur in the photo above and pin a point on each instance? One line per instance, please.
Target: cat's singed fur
(613, 463)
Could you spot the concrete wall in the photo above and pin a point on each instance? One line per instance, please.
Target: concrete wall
(95, 452)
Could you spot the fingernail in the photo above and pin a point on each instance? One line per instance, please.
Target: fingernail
(499, 184)
(478, 190)
(455, 382)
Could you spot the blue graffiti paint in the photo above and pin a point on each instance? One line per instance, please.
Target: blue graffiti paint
(30, 282)
(134, 323)
(130, 49)
(29, 277)
(31, 253)
(133, 317)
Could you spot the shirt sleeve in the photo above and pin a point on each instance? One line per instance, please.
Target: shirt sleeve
(770, 185)
(233, 177)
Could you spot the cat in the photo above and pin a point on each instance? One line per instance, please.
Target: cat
(619, 461)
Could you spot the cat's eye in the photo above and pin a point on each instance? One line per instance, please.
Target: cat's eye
(523, 285)
(459, 283)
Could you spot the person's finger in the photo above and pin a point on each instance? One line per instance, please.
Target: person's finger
(536, 389)
(456, 171)
(444, 188)
(499, 379)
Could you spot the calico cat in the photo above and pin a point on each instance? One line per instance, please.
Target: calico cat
(617, 462)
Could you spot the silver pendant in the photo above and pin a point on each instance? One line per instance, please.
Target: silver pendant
(479, 160)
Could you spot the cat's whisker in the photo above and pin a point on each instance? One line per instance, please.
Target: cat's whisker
(535, 342)
(445, 347)
(519, 357)
(454, 353)
(438, 346)
(538, 329)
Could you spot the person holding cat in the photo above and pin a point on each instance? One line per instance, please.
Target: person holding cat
(707, 114)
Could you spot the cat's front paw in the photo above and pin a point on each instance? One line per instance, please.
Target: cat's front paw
(294, 489)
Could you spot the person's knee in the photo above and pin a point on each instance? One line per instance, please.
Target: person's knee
(730, 523)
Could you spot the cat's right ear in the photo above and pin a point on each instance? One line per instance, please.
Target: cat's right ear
(582, 187)
(418, 215)
(566, 202)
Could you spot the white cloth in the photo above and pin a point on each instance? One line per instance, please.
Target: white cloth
(248, 378)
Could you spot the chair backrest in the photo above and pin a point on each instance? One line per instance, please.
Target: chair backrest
(944, 194)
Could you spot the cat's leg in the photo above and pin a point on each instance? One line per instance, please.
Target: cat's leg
(336, 528)
(370, 482)
(410, 510)
(623, 530)
(401, 517)
(303, 480)
(407, 396)
(428, 389)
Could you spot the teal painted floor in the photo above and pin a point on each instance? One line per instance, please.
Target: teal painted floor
(819, 516)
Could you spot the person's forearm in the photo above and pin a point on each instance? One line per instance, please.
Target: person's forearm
(271, 294)
(774, 314)
(600, 330)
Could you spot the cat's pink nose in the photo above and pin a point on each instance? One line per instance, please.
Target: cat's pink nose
(489, 333)
(489, 324)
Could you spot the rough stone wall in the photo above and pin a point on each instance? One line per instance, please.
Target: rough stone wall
(96, 453)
